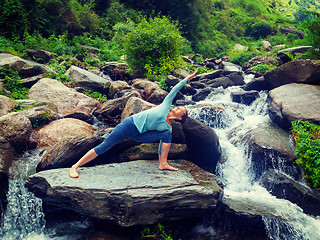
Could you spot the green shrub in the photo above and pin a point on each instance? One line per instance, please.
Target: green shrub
(152, 47)
(259, 29)
(263, 67)
(59, 72)
(307, 139)
(96, 95)
(158, 232)
(12, 83)
(240, 57)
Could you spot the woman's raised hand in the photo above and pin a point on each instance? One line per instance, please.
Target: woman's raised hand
(191, 76)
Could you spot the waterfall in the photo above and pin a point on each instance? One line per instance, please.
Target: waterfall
(241, 185)
(23, 218)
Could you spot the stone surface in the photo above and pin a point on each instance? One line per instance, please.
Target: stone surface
(86, 79)
(297, 71)
(245, 97)
(7, 155)
(116, 87)
(69, 102)
(6, 105)
(12, 62)
(284, 187)
(50, 134)
(132, 193)
(294, 101)
(16, 128)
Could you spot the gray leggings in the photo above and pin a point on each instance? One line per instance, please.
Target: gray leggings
(127, 129)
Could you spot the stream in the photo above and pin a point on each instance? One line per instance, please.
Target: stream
(24, 218)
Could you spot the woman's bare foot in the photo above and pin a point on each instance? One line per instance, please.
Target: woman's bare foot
(167, 167)
(73, 172)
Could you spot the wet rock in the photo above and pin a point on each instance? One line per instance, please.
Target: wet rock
(236, 78)
(220, 82)
(69, 102)
(297, 71)
(258, 84)
(30, 81)
(182, 102)
(203, 144)
(284, 187)
(201, 95)
(294, 101)
(6, 105)
(269, 142)
(245, 97)
(50, 134)
(209, 75)
(86, 79)
(7, 156)
(131, 193)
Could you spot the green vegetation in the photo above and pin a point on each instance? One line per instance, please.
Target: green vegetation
(307, 139)
(45, 118)
(263, 67)
(152, 47)
(12, 83)
(96, 95)
(157, 232)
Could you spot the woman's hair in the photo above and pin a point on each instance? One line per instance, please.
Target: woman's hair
(184, 117)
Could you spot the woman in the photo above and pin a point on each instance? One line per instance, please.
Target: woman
(147, 126)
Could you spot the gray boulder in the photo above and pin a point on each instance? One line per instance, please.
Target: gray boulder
(86, 79)
(246, 97)
(69, 102)
(12, 62)
(40, 56)
(116, 87)
(6, 105)
(16, 128)
(131, 193)
(285, 187)
(297, 71)
(203, 144)
(269, 142)
(48, 135)
(7, 155)
(294, 101)
(282, 55)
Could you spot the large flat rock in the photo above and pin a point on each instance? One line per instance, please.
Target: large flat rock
(131, 193)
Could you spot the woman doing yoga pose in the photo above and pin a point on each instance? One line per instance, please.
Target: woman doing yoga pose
(147, 126)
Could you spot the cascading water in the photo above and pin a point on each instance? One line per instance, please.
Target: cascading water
(236, 172)
(23, 218)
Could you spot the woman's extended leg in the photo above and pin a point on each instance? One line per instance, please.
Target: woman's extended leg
(125, 129)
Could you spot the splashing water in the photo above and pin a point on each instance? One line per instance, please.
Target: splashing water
(283, 220)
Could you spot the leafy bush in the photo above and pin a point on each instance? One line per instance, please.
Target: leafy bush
(240, 57)
(313, 35)
(156, 232)
(12, 83)
(96, 95)
(307, 139)
(263, 67)
(152, 47)
(259, 29)
(59, 72)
